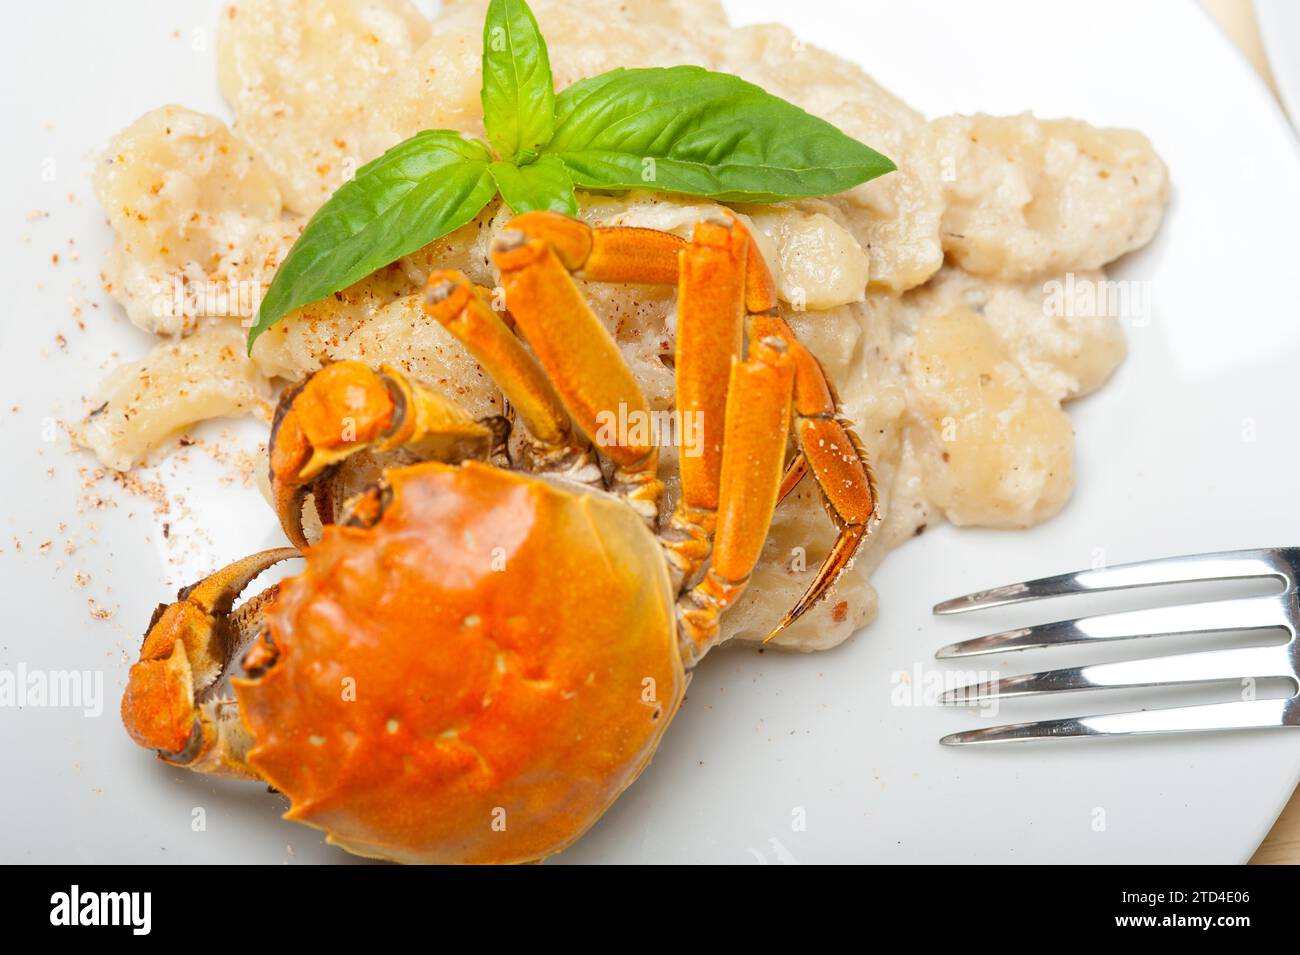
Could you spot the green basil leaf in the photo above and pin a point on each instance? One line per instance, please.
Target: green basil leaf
(421, 189)
(689, 130)
(544, 184)
(518, 92)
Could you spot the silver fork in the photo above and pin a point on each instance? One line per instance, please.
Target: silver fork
(1272, 611)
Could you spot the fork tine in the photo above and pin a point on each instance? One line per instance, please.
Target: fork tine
(1253, 714)
(1209, 666)
(1226, 565)
(1244, 613)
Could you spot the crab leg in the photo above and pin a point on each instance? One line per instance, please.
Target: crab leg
(345, 407)
(795, 472)
(185, 652)
(829, 448)
(606, 254)
(710, 330)
(577, 351)
(753, 458)
(723, 280)
(452, 300)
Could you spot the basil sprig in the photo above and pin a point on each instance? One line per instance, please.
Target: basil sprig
(518, 93)
(679, 129)
(421, 189)
(544, 184)
(685, 129)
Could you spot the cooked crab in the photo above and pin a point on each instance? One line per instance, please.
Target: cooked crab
(476, 661)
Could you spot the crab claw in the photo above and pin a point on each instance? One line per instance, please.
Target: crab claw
(340, 409)
(186, 650)
(347, 407)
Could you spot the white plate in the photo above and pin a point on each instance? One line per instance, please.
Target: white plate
(1279, 26)
(1191, 447)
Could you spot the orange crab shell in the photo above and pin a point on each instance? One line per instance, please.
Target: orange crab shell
(474, 678)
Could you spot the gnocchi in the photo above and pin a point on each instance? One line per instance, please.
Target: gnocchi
(926, 293)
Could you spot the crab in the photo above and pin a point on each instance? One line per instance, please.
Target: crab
(485, 647)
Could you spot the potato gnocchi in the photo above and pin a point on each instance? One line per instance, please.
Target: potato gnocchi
(925, 293)
(204, 375)
(182, 194)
